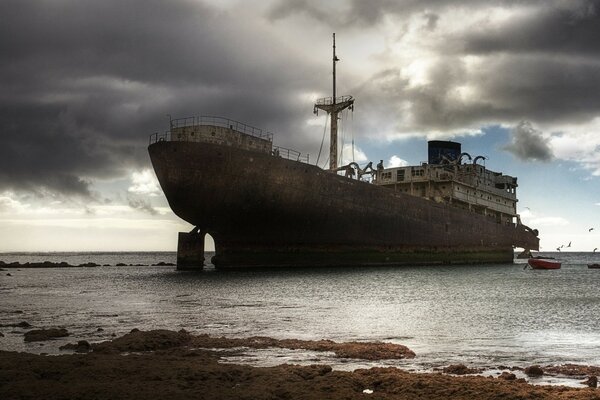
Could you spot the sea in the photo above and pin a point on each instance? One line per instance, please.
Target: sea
(491, 316)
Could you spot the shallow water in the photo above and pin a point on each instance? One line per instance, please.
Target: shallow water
(488, 315)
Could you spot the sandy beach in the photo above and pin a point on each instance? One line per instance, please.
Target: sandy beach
(179, 365)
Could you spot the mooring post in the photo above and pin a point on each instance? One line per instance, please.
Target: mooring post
(190, 250)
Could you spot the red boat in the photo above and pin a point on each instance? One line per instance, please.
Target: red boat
(543, 263)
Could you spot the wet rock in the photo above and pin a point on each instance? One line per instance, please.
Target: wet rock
(121, 264)
(507, 376)
(99, 330)
(82, 346)
(137, 340)
(459, 369)
(89, 265)
(163, 264)
(311, 372)
(572, 370)
(43, 264)
(9, 274)
(592, 381)
(17, 312)
(38, 335)
(134, 330)
(534, 370)
(1, 334)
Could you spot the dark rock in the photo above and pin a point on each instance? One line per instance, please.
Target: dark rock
(163, 264)
(89, 265)
(459, 369)
(591, 381)
(534, 370)
(99, 330)
(82, 346)
(23, 324)
(507, 376)
(8, 274)
(37, 335)
(121, 265)
(17, 312)
(134, 330)
(312, 371)
(137, 340)
(1, 334)
(106, 265)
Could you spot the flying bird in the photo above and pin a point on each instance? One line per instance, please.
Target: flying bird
(558, 248)
(591, 229)
(569, 245)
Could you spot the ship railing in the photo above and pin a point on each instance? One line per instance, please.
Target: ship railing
(277, 151)
(290, 154)
(327, 101)
(222, 122)
(160, 137)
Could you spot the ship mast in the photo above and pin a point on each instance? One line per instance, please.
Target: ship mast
(333, 106)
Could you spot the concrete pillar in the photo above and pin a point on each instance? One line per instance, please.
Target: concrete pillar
(190, 251)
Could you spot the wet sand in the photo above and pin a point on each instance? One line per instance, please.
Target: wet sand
(177, 365)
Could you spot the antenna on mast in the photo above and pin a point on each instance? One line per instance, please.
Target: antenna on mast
(333, 106)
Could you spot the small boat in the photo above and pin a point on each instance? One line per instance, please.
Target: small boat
(543, 263)
(595, 265)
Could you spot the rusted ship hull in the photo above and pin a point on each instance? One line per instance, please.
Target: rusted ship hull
(268, 211)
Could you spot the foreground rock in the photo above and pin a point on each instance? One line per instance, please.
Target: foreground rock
(38, 335)
(163, 339)
(174, 369)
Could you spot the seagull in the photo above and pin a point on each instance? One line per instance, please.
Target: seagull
(595, 249)
(569, 245)
(558, 248)
(591, 229)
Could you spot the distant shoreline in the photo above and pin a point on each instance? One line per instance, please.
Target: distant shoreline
(64, 264)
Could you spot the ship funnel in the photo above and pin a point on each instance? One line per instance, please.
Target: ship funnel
(440, 149)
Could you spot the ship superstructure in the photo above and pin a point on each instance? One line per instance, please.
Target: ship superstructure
(445, 178)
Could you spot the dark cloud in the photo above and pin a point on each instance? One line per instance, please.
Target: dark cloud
(571, 28)
(361, 13)
(85, 83)
(528, 144)
(141, 205)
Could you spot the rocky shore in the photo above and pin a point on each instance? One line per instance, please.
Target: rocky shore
(64, 264)
(178, 365)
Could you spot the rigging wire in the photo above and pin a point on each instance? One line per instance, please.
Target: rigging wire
(322, 140)
(326, 162)
(352, 133)
(341, 151)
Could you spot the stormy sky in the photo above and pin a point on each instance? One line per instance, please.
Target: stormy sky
(86, 82)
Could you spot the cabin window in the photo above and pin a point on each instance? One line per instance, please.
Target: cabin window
(386, 176)
(400, 175)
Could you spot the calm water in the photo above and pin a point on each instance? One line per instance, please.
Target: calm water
(487, 316)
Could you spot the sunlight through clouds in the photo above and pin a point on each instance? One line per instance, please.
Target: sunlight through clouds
(144, 183)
